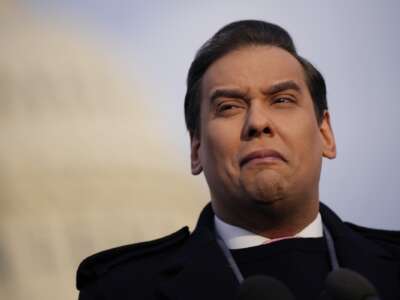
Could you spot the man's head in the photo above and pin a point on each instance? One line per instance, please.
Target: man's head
(238, 35)
(257, 116)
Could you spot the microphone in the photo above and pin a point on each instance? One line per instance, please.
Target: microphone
(263, 288)
(344, 284)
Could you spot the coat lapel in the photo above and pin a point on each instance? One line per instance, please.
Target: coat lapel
(200, 270)
(364, 256)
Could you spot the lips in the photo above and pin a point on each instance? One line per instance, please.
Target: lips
(264, 154)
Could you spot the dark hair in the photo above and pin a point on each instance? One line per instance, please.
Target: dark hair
(240, 34)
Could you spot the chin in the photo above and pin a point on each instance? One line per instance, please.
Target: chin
(266, 188)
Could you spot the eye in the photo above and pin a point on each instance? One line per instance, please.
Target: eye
(225, 107)
(228, 108)
(282, 100)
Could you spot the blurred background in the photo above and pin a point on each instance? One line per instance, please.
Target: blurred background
(93, 148)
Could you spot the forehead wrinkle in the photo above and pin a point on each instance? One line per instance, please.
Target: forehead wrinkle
(219, 69)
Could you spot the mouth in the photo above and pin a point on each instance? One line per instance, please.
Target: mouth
(262, 156)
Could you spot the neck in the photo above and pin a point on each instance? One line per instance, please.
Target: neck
(272, 221)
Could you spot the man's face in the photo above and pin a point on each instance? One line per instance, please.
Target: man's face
(260, 144)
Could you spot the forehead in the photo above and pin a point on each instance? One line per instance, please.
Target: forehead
(253, 67)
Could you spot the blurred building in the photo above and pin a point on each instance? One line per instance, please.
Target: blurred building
(82, 168)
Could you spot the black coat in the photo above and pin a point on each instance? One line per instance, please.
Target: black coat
(192, 266)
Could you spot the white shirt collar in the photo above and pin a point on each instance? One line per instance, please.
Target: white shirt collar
(237, 237)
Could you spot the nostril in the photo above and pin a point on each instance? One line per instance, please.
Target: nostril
(252, 132)
(267, 130)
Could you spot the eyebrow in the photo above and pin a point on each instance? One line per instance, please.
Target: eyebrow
(240, 94)
(282, 86)
(228, 93)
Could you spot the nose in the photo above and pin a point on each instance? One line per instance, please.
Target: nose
(258, 123)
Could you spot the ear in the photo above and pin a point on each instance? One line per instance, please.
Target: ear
(194, 154)
(327, 136)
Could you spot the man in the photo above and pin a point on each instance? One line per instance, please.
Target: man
(259, 126)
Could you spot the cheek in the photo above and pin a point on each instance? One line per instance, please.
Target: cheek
(220, 146)
(305, 142)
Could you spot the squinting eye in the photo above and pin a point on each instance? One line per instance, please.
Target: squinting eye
(282, 100)
(229, 108)
(226, 107)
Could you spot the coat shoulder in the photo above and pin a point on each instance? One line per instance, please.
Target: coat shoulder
(95, 266)
(390, 236)
(387, 238)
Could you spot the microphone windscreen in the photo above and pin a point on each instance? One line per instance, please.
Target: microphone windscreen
(263, 288)
(344, 284)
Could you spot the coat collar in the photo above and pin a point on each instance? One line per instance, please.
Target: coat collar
(201, 271)
(363, 256)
